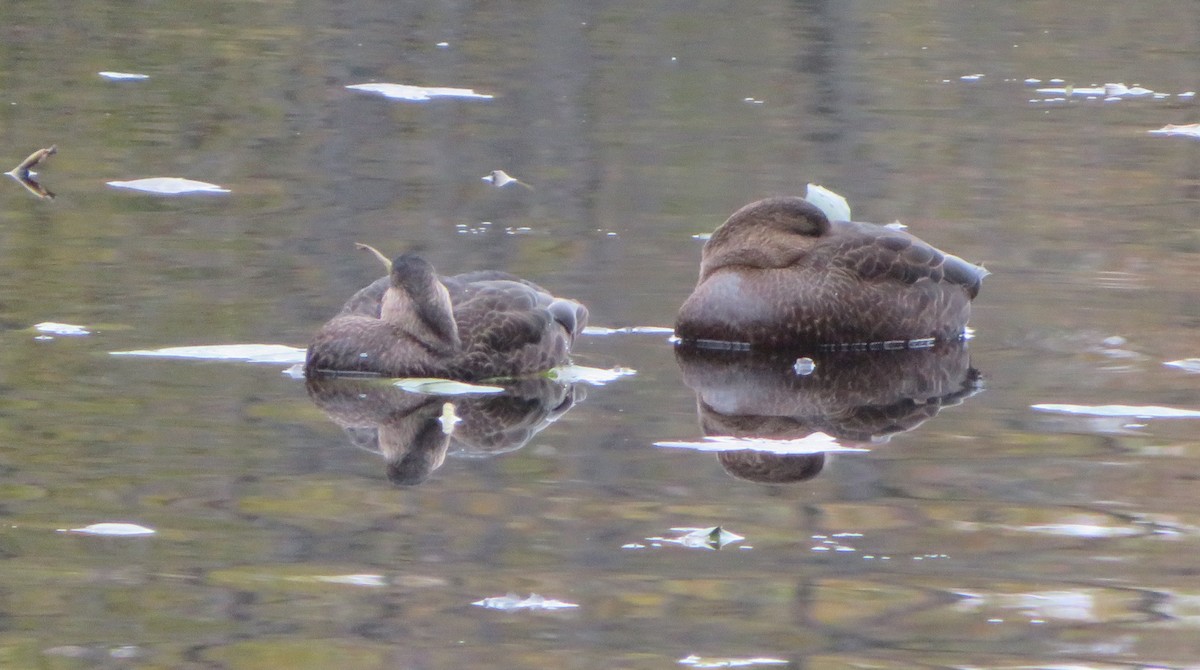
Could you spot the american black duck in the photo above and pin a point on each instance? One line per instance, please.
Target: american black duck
(468, 327)
(778, 275)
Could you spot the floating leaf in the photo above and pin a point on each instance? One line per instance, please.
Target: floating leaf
(834, 205)
(168, 186)
(511, 602)
(123, 76)
(111, 529)
(417, 93)
(569, 374)
(61, 329)
(816, 443)
(1132, 411)
(433, 386)
(249, 353)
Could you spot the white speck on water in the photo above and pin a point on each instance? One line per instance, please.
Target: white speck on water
(64, 329)
(1032, 82)
(443, 45)
(804, 366)
(971, 77)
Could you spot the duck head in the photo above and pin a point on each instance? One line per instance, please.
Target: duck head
(765, 234)
(417, 302)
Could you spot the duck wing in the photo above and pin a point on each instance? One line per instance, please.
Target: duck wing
(880, 253)
(501, 315)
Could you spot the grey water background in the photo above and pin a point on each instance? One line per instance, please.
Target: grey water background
(997, 536)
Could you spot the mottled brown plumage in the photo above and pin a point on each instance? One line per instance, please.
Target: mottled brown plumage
(474, 326)
(778, 274)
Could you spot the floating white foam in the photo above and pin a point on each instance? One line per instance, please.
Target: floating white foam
(719, 662)
(353, 580)
(511, 602)
(123, 76)
(61, 329)
(1185, 364)
(1187, 130)
(712, 538)
(418, 93)
(1079, 530)
(569, 374)
(168, 186)
(629, 330)
(817, 443)
(111, 529)
(434, 386)
(248, 353)
(1132, 411)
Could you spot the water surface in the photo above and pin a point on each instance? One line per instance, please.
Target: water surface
(991, 534)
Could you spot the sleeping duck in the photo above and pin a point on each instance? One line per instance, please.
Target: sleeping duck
(473, 326)
(778, 275)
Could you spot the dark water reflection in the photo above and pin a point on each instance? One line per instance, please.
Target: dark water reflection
(992, 535)
(855, 397)
(414, 431)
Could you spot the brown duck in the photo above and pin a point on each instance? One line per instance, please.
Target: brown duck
(778, 274)
(473, 326)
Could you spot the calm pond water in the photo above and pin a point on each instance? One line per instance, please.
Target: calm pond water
(975, 530)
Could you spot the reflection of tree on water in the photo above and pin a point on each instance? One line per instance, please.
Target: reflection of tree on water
(413, 432)
(855, 397)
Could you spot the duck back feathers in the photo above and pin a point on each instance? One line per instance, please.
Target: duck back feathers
(779, 274)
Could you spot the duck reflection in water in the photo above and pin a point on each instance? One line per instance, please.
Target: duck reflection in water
(415, 323)
(414, 432)
(779, 274)
(858, 398)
